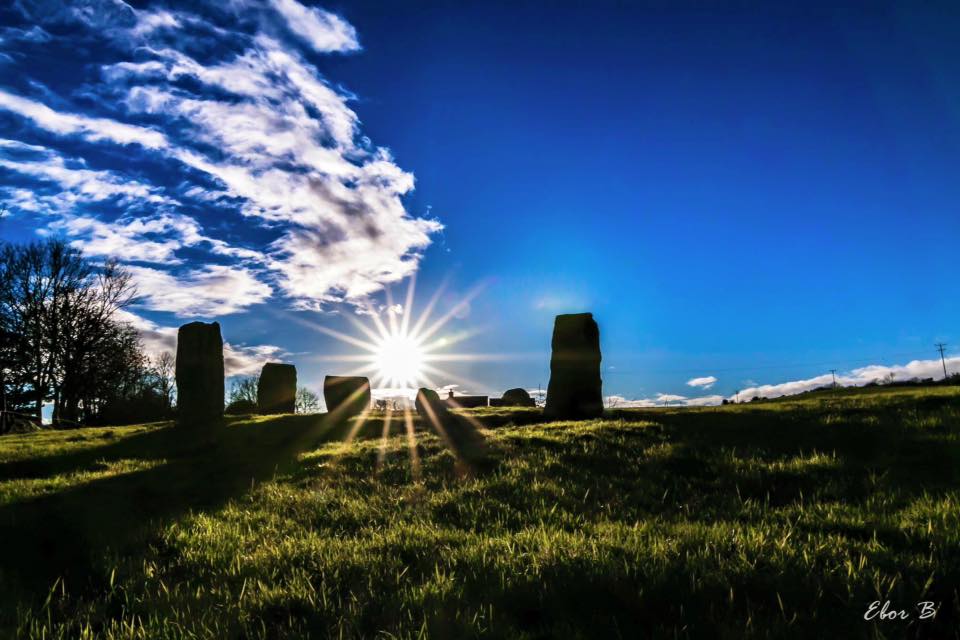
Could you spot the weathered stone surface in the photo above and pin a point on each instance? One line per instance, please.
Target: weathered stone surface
(516, 398)
(199, 373)
(277, 388)
(428, 402)
(346, 395)
(575, 390)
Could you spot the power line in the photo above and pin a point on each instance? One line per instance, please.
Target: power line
(940, 347)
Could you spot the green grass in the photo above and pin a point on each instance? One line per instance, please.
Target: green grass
(775, 519)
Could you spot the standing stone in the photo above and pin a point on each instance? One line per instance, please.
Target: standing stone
(346, 395)
(277, 388)
(517, 398)
(427, 402)
(575, 389)
(199, 373)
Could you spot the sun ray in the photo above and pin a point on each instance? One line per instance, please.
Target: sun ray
(408, 306)
(352, 357)
(446, 341)
(428, 310)
(443, 373)
(367, 331)
(441, 431)
(391, 315)
(412, 444)
(339, 335)
(454, 310)
(384, 439)
(358, 423)
(477, 357)
(476, 424)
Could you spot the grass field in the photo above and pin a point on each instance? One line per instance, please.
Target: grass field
(775, 519)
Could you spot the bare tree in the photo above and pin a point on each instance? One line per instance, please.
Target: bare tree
(307, 401)
(244, 389)
(60, 311)
(164, 367)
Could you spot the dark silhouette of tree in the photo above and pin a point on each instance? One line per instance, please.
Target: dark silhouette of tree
(307, 401)
(162, 369)
(63, 342)
(245, 389)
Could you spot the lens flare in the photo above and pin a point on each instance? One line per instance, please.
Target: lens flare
(399, 360)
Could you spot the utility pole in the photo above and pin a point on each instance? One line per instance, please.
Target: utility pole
(940, 348)
(833, 372)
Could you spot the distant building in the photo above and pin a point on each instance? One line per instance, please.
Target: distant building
(466, 402)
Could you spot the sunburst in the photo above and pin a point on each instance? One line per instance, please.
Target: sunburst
(399, 350)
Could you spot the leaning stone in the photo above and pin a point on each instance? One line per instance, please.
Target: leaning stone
(575, 390)
(346, 395)
(199, 373)
(277, 388)
(428, 402)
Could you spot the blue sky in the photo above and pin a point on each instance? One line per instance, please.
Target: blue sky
(750, 194)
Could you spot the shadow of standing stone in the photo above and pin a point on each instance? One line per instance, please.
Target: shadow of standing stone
(199, 373)
(575, 391)
(277, 388)
(346, 396)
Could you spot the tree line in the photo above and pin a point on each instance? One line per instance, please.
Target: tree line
(61, 341)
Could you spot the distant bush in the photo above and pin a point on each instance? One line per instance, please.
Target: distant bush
(240, 407)
(144, 405)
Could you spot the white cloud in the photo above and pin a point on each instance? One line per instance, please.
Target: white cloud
(322, 30)
(243, 360)
(209, 291)
(281, 144)
(125, 240)
(704, 401)
(704, 383)
(75, 182)
(856, 377)
(660, 400)
(150, 238)
(150, 21)
(237, 359)
(93, 129)
(667, 398)
(33, 34)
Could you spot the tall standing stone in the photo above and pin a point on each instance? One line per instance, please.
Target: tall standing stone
(277, 388)
(199, 373)
(346, 395)
(575, 389)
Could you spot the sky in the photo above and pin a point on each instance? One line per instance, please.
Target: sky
(745, 196)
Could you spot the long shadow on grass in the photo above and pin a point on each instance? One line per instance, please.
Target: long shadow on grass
(65, 535)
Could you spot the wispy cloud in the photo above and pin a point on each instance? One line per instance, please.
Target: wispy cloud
(62, 184)
(208, 291)
(324, 31)
(237, 359)
(704, 383)
(245, 133)
(73, 124)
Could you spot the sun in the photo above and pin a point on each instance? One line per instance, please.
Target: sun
(399, 360)
(399, 350)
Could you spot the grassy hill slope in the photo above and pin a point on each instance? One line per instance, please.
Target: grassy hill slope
(780, 519)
